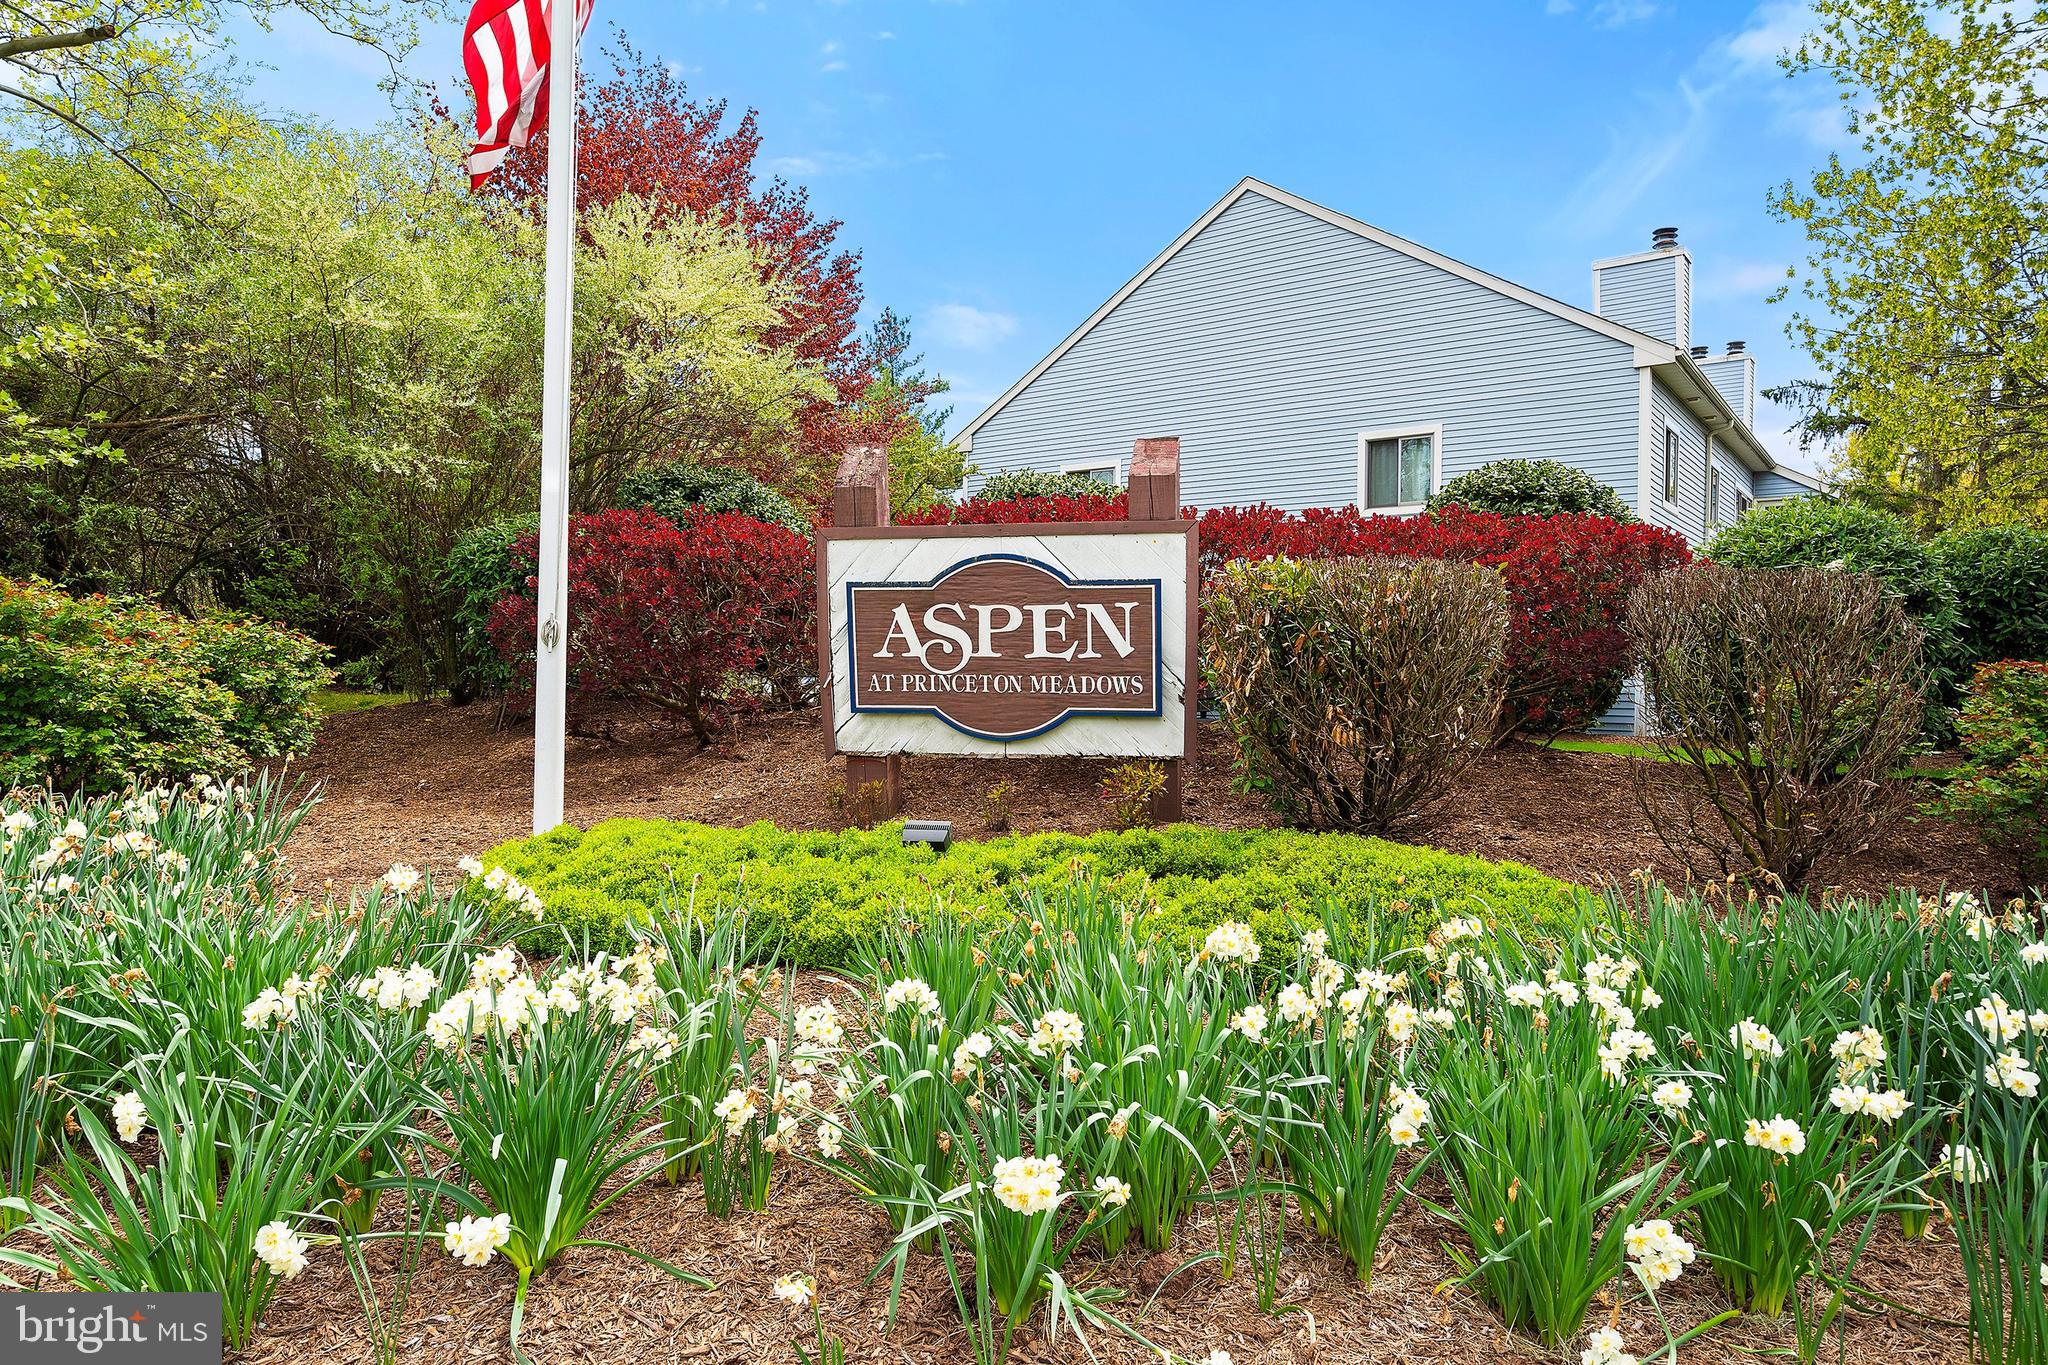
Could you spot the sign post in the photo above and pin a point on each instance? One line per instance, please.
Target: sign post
(1040, 640)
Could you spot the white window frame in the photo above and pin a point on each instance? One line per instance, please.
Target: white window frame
(1435, 432)
(1713, 494)
(1115, 468)
(1667, 484)
(1743, 502)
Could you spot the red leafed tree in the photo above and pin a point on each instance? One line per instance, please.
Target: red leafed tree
(639, 133)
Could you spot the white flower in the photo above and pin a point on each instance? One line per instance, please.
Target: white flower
(494, 968)
(474, 1241)
(1439, 1018)
(403, 878)
(1961, 1164)
(974, 1049)
(1857, 1051)
(1527, 994)
(1028, 1185)
(1659, 1253)
(281, 1249)
(1604, 1347)
(1780, 1136)
(130, 1118)
(1649, 999)
(271, 1006)
(17, 821)
(1055, 1031)
(737, 1110)
(1295, 1004)
(2034, 954)
(1567, 994)
(795, 1290)
(660, 1042)
(1315, 944)
(1996, 1019)
(914, 994)
(1887, 1106)
(1673, 1097)
(469, 866)
(1231, 941)
(819, 1024)
(830, 1136)
(1401, 1019)
(1113, 1192)
(1219, 1356)
(1756, 1041)
(1404, 1127)
(1251, 1022)
(2011, 1072)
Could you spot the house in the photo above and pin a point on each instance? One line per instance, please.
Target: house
(1308, 359)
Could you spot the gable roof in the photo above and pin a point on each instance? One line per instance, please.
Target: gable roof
(1671, 362)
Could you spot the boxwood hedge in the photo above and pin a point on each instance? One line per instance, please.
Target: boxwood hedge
(819, 892)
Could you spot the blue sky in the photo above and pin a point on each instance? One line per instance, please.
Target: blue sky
(1003, 166)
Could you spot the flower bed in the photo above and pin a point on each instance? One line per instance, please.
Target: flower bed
(1738, 1100)
(818, 894)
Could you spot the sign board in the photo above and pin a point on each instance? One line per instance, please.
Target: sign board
(1063, 639)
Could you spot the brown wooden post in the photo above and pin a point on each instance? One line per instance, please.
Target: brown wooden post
(860, 497)
(1155, 496)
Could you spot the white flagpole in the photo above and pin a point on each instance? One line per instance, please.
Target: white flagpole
(551, 658)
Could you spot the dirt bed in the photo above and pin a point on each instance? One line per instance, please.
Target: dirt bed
(426, 783)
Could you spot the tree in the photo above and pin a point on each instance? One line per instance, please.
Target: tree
(923, 464)
(1923, 291)
(639, 134)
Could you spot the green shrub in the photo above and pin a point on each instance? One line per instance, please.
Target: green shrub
(818, 893)
(2002, 788)
(2000, 577)
(94, 690)
(1038, 483)
(1357, 689)
(1542, 488)
(480, 570)
(680, 488)
(1815, 533)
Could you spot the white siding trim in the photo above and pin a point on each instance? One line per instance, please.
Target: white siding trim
(1435, 432)
(1114, 466)
(1646, 435)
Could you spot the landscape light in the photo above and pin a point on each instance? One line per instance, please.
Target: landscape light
(937, 833)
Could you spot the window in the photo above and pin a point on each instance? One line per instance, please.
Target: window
(1670, 464)
(1743, 502)
(1713, 496)
(1101, 473)
(1397, 469)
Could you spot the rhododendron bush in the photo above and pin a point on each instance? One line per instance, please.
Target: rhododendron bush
(707, 617)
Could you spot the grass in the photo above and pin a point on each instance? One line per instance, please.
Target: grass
(336, 701)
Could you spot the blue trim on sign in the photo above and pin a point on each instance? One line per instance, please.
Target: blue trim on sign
(1157, 585)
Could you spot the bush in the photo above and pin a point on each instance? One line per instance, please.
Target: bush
(2002, 788)
(1539, 488)
(1788, 696)
(1358, 690)
(818, 893)
(977, 511)
(2000, 577)
(1568, 580)
(1037, 483)
(685, 617)
(1817, 533)
(681, 490)
(481, 571)
(95, 690)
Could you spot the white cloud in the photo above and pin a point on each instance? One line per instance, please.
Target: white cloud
(830, 163)
(1559, 7)
(1618, 13)
(833, 66)
(1634, 164)
(1772, 29)
(965, 326)
(1738, 280)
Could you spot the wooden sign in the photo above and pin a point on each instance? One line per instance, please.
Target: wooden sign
(1052, 639)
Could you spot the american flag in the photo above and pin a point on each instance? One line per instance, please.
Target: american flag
(505, 52)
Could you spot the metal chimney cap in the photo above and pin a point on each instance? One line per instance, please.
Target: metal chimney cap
(1736, 347)
(1699, 353)
(1664, 239)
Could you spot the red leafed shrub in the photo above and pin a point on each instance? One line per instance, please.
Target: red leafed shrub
(977, 512)
(704, 618)
(1568, 580)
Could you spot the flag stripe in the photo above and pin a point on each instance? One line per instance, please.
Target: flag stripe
(505, 56)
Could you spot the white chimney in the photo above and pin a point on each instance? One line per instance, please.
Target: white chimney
(1650, 291)
(1733, 372)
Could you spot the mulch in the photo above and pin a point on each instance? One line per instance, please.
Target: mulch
(426, 783)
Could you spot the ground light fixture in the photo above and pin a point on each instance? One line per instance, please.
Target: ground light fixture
(937, 833)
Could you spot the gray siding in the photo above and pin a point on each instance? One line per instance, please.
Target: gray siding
(1652, 295)
(1735, 377)
(1775, 486)
(1272, 339)
(1686, 514)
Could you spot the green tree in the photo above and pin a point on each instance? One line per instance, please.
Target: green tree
(1923, 296)
(923, 464)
